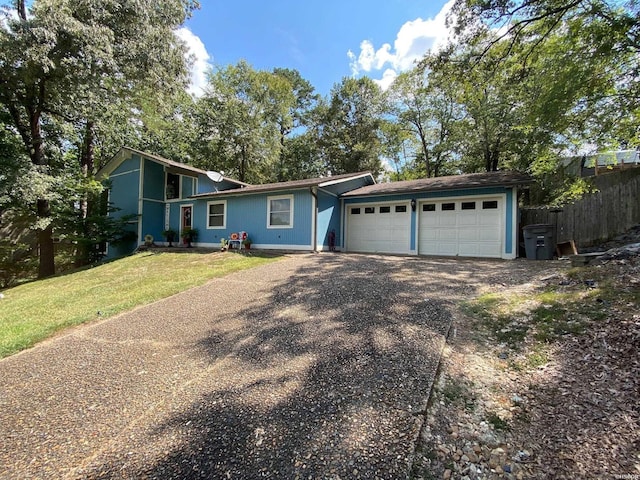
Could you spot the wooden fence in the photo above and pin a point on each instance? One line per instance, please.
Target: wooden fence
(599, 216)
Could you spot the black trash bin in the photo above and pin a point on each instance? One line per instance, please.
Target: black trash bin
(540, 241)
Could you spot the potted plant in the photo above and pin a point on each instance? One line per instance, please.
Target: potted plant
(247, 243)
(170, 234)
(148, 240)
(224, 245)
(189, 235)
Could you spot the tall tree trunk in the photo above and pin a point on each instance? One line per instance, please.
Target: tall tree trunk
(86, 166)
(243, 162)
(283, 132)
(47, 265)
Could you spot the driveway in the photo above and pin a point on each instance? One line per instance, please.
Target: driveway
(316, 366)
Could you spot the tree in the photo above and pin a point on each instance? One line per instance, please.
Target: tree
(350, 126)
(296, 116)
(594, 31)
(237, 122)
(425, 106)
(64, 59)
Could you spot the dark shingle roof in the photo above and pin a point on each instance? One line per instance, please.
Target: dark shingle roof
(471, 180)
(291, 185)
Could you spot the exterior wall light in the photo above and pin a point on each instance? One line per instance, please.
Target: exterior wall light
(413, 204)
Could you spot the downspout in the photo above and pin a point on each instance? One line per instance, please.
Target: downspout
(314, 220)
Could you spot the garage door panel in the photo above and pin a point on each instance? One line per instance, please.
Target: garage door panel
(463, 228)
(383, 231)
(447, 234)
(489, 234)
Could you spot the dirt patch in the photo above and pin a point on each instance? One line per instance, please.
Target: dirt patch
(541, 380)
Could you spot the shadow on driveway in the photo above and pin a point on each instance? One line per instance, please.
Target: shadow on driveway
(318, 366)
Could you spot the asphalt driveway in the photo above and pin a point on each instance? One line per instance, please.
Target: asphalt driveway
(317, 366)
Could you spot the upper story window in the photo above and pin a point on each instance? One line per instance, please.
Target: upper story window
(172, 186)
(280, 211)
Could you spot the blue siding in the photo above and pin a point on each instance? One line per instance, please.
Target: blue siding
(249, 213)
(153, 186)
(153, 220)
(124, 194)
(328, 219)
(206, 185)
(128, 165)
(508, 245)
(187, 186)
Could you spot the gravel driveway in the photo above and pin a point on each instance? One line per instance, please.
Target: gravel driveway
(316, 366)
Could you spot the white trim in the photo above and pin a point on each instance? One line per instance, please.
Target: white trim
(153, 200)
(164, 187)
(262, 246)
(342, 180)
(128, 172)
(267, 246)
(224, 214)
(291, 207)
(180, 217)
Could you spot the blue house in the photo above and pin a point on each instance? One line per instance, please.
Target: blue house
(473, 215)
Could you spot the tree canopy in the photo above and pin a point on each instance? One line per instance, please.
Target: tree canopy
(524, 83)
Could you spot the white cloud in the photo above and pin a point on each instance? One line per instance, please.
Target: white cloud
(414, 39)
(387, 79)
(201, 65)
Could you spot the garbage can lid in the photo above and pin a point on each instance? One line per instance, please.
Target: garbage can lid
(537, 226)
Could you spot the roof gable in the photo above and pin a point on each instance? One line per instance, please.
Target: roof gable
(172, 166)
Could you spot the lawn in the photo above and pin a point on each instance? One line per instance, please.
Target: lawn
(35, 311)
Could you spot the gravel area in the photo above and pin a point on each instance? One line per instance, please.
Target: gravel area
(562, 408)
(317, 366)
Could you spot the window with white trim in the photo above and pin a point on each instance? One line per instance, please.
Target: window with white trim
(280, 211)
(217, 214)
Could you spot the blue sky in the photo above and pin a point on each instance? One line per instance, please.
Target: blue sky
(324, 40)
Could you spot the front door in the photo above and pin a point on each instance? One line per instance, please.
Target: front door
(185, 218)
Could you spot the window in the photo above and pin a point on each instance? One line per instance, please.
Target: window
(369, 209)
(280, 212)
(448, 206)
(355, 211)
(385, 209)
(489, 204)
(172, 186)
(429, 207)
(468, 206)
(401, 208)
(216, 215)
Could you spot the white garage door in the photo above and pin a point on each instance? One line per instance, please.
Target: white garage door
(379, 228)
(466, 227)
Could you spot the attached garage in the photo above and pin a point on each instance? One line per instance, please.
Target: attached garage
(471, 215)
(468, 227)
(379, 228)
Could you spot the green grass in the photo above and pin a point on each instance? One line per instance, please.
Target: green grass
(528, 322)
(35, 311)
